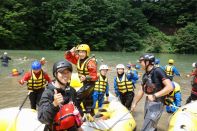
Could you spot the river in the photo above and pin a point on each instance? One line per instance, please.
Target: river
(12, 94)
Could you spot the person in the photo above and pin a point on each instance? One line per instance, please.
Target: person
(101, 87)
(5, 59)
(173, 100)
(15, 72)
(156, 85)
(137, 66)
(123, 86)
(87, 71)
(58, 107)
(43, 61)
(193, 95)
(131, 69)
(36, 80)
(171, 70)
(157, 61)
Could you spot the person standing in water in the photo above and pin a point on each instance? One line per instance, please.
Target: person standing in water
(5, 59)
(193, 95)
(156, 85)
(36, 81)
(123, 85)
(171, 70)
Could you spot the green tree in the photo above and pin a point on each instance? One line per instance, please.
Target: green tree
(186, 39)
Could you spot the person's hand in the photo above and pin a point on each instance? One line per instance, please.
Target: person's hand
(133, 107)
(58, 98)
(82, 78)
(151, 97)
(21, 82)
(73, 49)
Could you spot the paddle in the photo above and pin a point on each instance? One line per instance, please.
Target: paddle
(24, 102)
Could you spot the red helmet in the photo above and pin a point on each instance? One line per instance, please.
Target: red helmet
(65, 118)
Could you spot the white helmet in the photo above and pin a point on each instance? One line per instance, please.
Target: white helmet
(43, 58)
(120, 66)
(194, 64)
(103, 67)
(5, 53)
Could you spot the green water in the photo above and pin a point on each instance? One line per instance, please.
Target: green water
(12, 94)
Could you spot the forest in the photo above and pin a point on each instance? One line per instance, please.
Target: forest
(158, 26)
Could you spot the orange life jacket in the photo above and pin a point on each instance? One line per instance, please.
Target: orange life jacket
(15, 73)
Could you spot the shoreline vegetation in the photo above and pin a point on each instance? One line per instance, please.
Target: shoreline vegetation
(156, 26)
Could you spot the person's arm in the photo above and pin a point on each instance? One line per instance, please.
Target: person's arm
(92, 69)
(71, 56)
(116, 87)
(46, 109)
(137, 98)
(176, 72)
(47, 77)
(25, 78)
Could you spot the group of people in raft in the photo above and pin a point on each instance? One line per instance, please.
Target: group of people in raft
(57, 100)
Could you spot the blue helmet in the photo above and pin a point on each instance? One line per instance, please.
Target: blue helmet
(137, 66)
(36, 65)
(128, 65)
(157, 61)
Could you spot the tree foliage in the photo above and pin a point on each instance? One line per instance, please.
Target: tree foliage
(107, 25)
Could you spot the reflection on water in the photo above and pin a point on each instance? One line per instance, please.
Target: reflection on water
(12, 94)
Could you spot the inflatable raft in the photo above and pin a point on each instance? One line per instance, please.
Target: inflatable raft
(113, 117)
(185, 119)
(13, 119)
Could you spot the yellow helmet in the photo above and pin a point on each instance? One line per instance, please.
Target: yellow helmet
(14, 70)
(171, 61)
(84, 47)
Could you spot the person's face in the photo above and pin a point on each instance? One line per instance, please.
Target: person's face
(64, 76)
(120, 71)
(104, 72)
(37, 71)
(143, 64)
(82, 54)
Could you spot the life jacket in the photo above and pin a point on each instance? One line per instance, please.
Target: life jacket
(83, 69)
(67, 117)
(149, 82)
(100, 84)
(35, 83)
(15, 73)
(169, 99)
(124, 85)
(168, 70)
